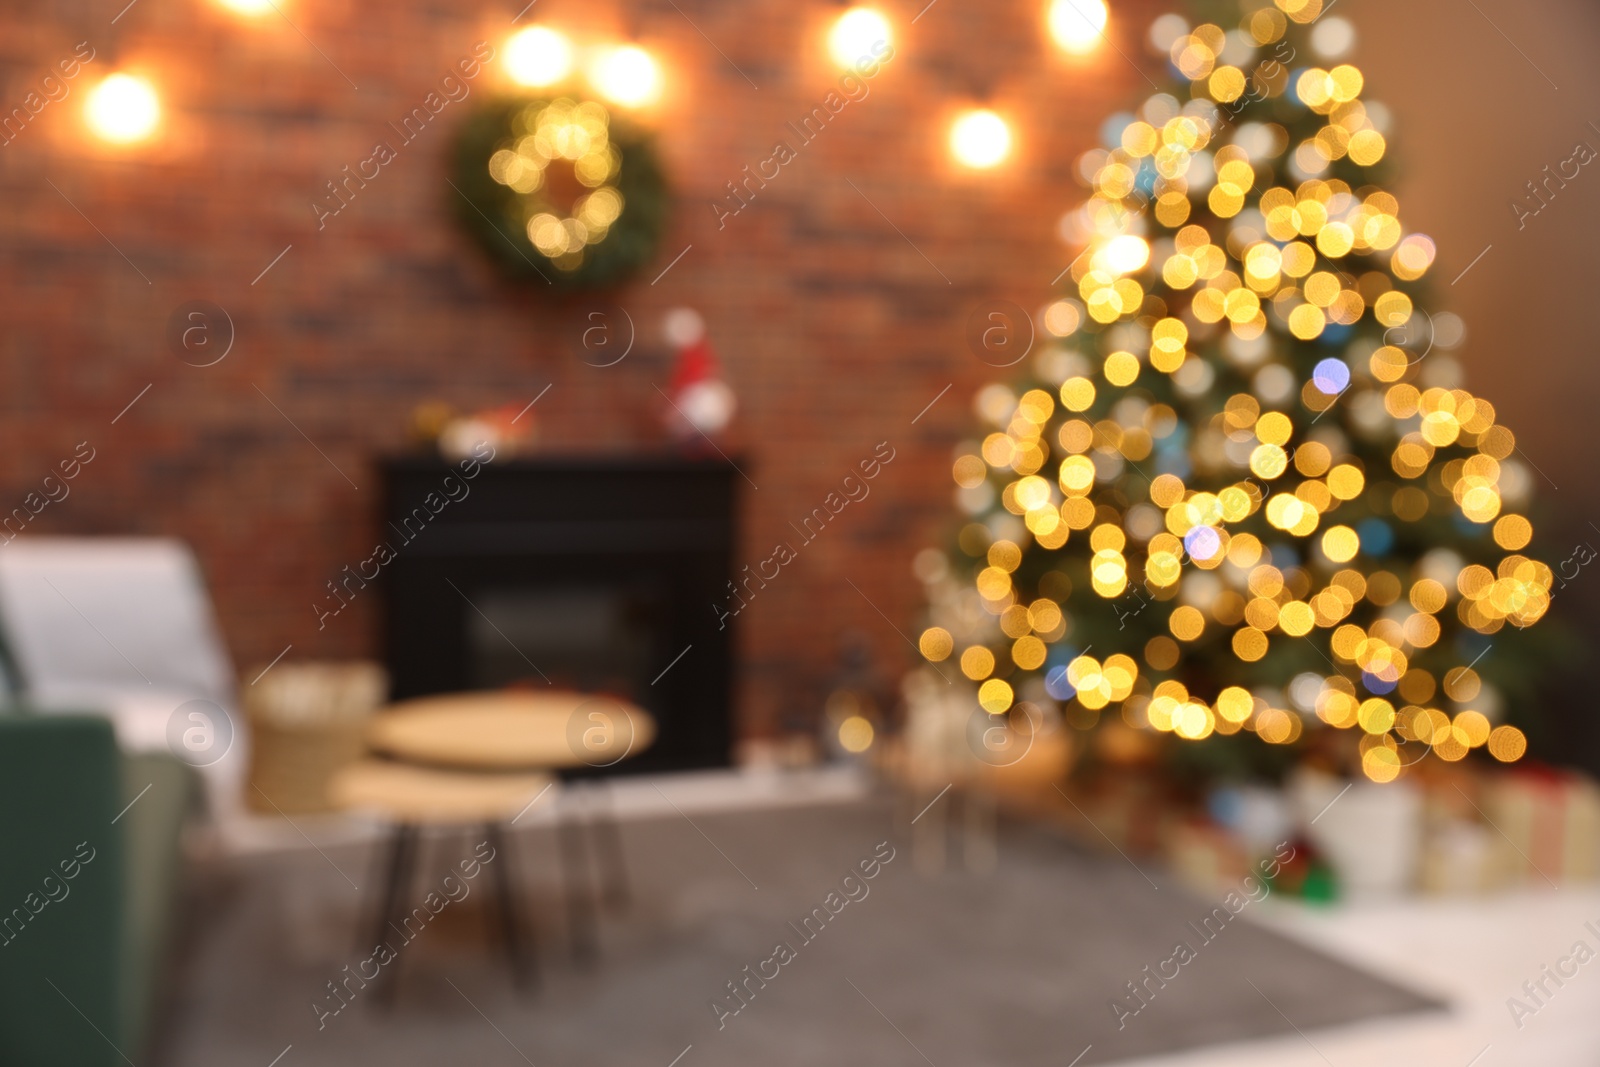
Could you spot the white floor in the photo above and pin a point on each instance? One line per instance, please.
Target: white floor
(1473, 953)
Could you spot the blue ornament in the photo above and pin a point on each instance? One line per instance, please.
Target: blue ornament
(1377, 537)
(1377, 684)
(1057, 685)
(1145, 180)
(1331, 377)
(1334, 333)
(1202, 543)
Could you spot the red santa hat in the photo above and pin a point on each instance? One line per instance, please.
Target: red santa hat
(698, 392)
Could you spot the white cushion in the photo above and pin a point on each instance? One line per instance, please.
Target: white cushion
(113, 611)
(122, 626)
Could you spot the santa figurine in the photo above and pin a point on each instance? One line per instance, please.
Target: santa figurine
(702, 403)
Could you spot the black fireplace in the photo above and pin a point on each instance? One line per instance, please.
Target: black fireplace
(595, 573)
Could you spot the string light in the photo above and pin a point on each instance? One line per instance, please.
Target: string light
(980, 139)
(627, 76)
(575, 134)
(854, 35)
(247, 7)
(1122, 255)
(855, 734)
(123, 109)
(538, 56)
(1078, 25)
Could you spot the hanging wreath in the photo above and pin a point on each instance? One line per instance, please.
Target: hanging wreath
(560, 190)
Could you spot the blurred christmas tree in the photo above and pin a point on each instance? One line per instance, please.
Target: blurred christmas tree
(1246, 493)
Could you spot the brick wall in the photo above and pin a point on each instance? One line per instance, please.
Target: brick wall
(836, 330)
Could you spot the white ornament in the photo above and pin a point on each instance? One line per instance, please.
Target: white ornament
(708, 405)
(683, 327)
(460, 437)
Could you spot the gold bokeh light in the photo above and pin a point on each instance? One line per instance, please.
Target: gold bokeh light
(856, 35)
(627, 75)
(538, 56)
(123, 109)
(980, 139)
(1077, 25)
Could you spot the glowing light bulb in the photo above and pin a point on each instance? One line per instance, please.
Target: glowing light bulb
(1122, 255)
(854, 35)
(980, 139)
(247, 7)
(123, 109)
(538, 56)
(855, 734)
(627, 76)
(1078, 25)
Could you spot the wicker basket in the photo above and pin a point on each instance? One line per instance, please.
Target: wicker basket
(307, 720)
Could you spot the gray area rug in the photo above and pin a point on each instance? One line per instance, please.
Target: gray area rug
(1017, 967)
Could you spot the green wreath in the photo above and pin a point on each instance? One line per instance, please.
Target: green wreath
(560, 190)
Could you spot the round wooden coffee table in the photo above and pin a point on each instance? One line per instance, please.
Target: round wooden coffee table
(465, 759)
(425, 796)
(412, 797)
(513, 730)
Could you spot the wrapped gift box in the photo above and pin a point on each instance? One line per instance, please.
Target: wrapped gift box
(1546, 824)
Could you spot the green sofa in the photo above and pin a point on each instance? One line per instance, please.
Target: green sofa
(87, 889)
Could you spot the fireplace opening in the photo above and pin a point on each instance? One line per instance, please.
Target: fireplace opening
(594, 639)
(597, 574)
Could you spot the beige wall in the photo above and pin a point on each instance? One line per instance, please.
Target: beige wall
(1476, 121)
